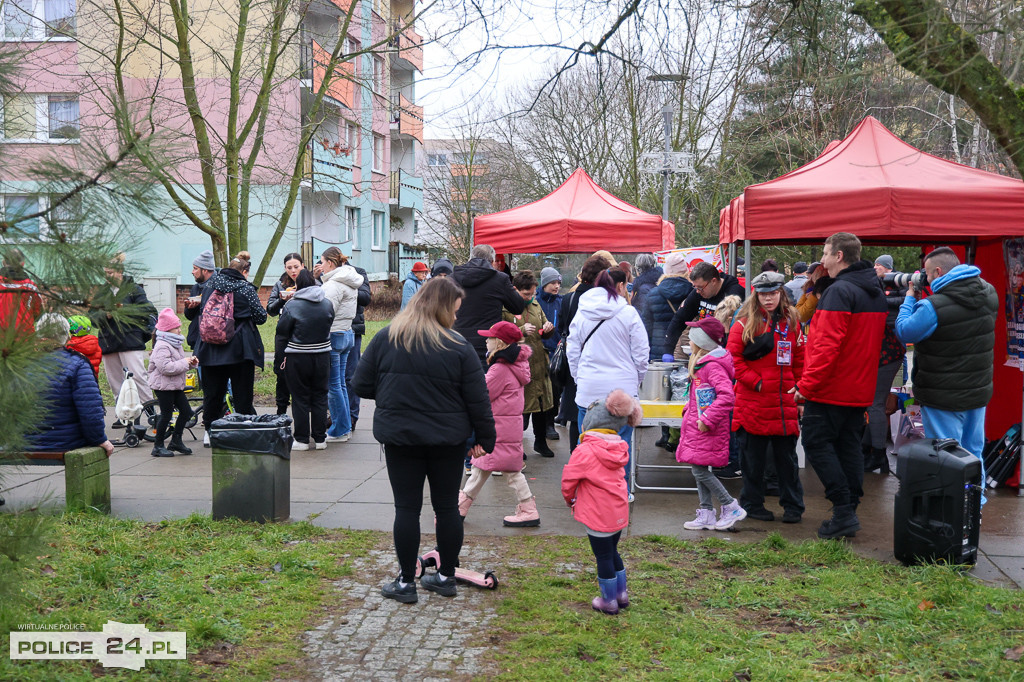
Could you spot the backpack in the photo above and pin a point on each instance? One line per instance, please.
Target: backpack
(217, 322)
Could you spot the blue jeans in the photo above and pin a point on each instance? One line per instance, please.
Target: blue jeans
(337, 393)
(968, 427)
(625, 433)
(350, 371)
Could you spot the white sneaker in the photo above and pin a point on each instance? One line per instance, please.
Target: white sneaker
(705, 520)
(496, 473)
(299, 447)
(729, 515)
(339, 439)
(206, 439)
(321, 446)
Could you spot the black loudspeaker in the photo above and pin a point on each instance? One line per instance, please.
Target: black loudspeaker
(937, 510)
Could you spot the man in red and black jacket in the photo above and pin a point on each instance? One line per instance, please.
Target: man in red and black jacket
(838, 382)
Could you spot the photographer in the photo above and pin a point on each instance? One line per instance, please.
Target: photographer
(953, 332)
(889, 362)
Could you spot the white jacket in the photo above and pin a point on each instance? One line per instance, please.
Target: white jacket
(341, 286)
(615, 356)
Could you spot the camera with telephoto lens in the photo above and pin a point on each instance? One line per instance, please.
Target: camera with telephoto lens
(902, 280)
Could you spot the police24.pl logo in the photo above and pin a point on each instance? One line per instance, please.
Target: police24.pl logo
(120, 645)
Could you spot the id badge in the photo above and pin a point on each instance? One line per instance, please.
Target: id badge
(784, 353)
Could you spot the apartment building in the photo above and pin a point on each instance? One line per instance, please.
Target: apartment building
(359, 173)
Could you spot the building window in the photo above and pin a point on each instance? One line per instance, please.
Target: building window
(437, 160)
(352, 226)
(415, 227)
(64, 214)
(38, 19)
(62, 115)
(16, 206)
(38, 118)
(378, 74)
(378, 230)
(353, 48)
(378, 153)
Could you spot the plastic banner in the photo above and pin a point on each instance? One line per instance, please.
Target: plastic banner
(695, 254)
(1013, 252)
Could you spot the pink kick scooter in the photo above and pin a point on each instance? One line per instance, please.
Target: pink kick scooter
(432, 559)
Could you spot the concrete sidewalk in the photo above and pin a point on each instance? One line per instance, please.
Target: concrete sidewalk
(346, 486)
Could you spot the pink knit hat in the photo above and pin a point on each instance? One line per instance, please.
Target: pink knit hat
(167, 321)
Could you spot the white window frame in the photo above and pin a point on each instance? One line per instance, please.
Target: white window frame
(432, 158)
(352, 226)
(352, 139)
(42, 135)
(378, 230)
(353, 46)
(37, 34)
(379, 75)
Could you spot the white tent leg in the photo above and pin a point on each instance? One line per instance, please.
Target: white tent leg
(732, 258)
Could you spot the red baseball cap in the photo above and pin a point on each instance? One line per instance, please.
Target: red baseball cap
(506, 331)
(420, 267)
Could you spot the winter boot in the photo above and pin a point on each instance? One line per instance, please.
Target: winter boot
(160, 451)
(663, 441)
(177, 446)
(729, 515)
(876, 458)
(550, 433)
(607, 602)
(465, 502)
(844, 523)
(540, 446)
(526, 515)
(705, 520)
(622, 596)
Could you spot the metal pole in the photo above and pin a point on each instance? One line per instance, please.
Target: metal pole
(666, 111)
(746, 265)
(732, 258)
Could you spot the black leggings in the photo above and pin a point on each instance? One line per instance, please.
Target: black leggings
(168, 400)
(606, 551)
(540, 424)
(441, 466)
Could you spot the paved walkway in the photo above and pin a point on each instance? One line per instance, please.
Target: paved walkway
(346, 486)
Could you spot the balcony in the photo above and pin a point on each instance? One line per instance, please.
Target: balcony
(313, 61)
(408, 47)
(326, 170)
(406, 119)
(406, 190)
(330, 8)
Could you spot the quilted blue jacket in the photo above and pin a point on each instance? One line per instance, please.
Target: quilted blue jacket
(74, 415)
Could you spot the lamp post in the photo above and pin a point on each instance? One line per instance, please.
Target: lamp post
(668, 162)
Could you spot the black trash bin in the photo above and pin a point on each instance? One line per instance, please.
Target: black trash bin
(251, 467)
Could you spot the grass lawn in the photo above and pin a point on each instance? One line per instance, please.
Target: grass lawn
(711, 609)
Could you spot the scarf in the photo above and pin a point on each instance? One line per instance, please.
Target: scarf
(170, 337)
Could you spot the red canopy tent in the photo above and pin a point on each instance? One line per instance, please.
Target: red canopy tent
(887, 192)
(578, 217)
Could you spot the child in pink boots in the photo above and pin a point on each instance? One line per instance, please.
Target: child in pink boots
(508, 374)
(593, 486)
(704, 440)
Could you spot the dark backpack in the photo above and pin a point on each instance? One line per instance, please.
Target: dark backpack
(217, 322)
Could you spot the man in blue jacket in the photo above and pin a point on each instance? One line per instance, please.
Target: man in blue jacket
(953, 332)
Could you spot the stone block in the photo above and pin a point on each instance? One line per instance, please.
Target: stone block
(87, 479)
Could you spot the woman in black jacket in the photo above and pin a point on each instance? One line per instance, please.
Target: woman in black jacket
(430, 393)
(304, 334)
(283, 290)
(236, 360)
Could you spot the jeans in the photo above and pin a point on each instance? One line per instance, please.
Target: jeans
(878, 423)
(350, 371)
(708, 485)
(754, 462)
(606, 551)
(832, 435)
(306, 374)
(968, 427)
(337, 392)
(408, 467)
(625, 433)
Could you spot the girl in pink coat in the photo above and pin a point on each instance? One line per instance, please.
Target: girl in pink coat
(704, 440)
(593, 486)
(507, 376)
(167, 367)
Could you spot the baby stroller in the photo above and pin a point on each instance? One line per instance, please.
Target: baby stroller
(127, 410)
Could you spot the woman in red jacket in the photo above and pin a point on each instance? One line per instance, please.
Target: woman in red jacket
(768, 354)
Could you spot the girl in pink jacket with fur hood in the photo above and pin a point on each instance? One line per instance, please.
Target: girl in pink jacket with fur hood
(593, 486)
(507, 376)
(167, 367)
(704, 440)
